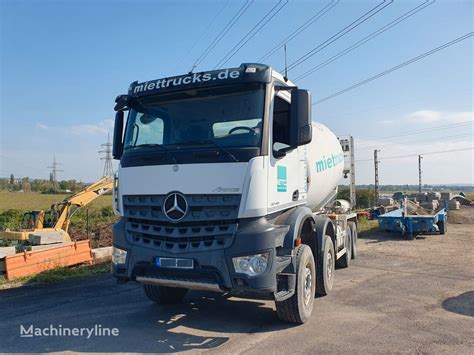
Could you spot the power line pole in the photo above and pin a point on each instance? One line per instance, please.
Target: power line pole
(419, 172)
(107, 152)
(376, 185)
(352, 180)
(54, 171)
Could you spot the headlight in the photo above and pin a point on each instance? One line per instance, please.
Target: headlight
(119, 256)
(251, 265)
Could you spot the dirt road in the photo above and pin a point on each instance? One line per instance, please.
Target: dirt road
(399, 296)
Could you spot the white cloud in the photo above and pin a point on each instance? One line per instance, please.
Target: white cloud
(41, 126)
(431, 116)
(102, 127)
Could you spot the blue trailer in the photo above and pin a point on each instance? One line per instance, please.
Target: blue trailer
(411, 225)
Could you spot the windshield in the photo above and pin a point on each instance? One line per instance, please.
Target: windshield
(223, 117)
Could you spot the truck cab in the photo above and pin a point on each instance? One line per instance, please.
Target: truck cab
(219, 177)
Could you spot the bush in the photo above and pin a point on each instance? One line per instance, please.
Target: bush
(106, 211)
(11, 219)
(364, 197)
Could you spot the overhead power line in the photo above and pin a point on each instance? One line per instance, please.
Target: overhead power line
(367, 38)
(107, 156)
(431, 139)
(416, 154)
(223, 32)
(256, 29)
(209, 25)
(404, 64)
(300, 29)
(366, 16)
(419, 131)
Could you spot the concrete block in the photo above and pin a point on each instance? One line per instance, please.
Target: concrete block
(2, 266)
(102, 254)
(5, 251)
(430, 205)
(385, 201)
(446, 195)
(49, 237)
(49, 246)
(454, 205)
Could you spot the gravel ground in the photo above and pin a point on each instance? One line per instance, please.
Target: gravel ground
(398, 296)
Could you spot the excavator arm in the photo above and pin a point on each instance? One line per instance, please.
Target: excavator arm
(80, 199)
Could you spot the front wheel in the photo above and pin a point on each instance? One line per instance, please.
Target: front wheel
(297, 309)
(325, 271)
(163, 294)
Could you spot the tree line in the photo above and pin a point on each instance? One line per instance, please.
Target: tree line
(40, 185)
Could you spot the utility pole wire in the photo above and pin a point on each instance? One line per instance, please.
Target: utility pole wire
(367, 38)
(415, 154)
(223, 32)
(388, 71)
(209, 25)
(257, 28)
(300, 29)
(431, 139)
(365, 17)
(420, 131)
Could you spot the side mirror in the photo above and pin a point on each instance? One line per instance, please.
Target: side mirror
(117, 148)
(300, 127)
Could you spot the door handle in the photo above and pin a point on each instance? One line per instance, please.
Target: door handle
(295, 196)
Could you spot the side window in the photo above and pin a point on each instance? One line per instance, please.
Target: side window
(281, 123)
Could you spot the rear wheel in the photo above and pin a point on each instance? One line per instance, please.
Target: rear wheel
(345, 260)
(442, 226)
(355, 235)
(163, 294)
(297, 308)
(325, 271)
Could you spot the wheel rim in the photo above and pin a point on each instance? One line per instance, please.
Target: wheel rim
(329, 266)
(308, 284)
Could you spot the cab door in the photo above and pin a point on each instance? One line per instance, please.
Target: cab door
(285, 184)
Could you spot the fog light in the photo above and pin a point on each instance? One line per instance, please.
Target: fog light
(251, 265)
(119, 256)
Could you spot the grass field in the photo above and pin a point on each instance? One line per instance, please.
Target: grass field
(58, 274)
(29, 201)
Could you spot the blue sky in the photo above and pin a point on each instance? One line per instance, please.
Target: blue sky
(64, 62)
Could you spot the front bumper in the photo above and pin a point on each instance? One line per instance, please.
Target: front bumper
(213, 269)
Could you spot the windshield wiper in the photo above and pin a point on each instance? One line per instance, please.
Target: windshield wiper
(208, 141)
(152, 145)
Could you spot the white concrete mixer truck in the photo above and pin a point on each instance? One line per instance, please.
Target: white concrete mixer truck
(223, 185)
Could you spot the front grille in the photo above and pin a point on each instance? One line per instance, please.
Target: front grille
(210, 223)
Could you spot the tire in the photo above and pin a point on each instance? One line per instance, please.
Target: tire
(355, 236)
(163, 294)
(345, 260)
(442, 226)
(297, 309)
(325, 270)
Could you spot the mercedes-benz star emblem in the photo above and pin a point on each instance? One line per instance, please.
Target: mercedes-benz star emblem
(175, 206)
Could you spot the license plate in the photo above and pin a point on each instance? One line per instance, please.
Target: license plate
(174, 263)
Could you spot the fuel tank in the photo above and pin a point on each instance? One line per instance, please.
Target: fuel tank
(325, 165)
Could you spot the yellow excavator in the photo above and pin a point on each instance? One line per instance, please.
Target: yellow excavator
(56, 221)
